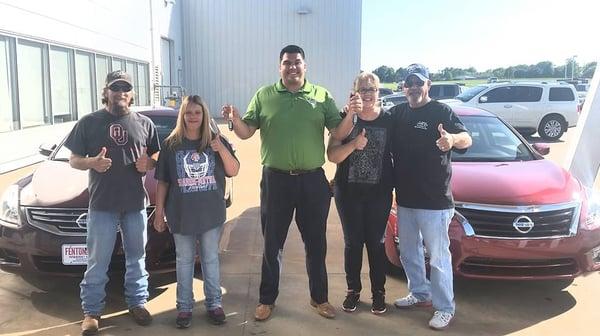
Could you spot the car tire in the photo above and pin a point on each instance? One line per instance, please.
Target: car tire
(392, 269)
(552, 127)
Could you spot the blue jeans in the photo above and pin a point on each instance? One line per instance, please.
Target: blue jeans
(102, 227)
(430, 226)
(185, 246)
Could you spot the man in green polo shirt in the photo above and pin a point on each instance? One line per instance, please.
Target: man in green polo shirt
(292, 115)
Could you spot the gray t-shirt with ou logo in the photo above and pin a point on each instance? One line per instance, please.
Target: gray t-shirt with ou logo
(125, 137)
(195, 200)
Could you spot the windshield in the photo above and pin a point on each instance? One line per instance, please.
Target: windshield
(493, 141)
(581, 87)
(164, 126)
(470, 93)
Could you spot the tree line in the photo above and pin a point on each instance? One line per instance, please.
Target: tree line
(543, 69)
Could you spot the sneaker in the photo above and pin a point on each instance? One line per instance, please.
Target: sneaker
(351, 301)
(378, 306)
(440, 320)
(141, 315)
(183, 320)
(410, 301)
(89, 326)
(216, 316)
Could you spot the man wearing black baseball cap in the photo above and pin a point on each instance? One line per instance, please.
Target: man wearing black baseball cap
(114, 145)
(425, 132)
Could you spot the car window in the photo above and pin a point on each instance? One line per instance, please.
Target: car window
(434, 91)
(471, 92)
(528, 93)
(581, 87)
(514, 93)
(493, 141)
(500, 95)
(561, 94)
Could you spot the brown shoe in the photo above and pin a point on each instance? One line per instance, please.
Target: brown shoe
(324, 309)
(263, 312)
(89, 326)
(140, 315)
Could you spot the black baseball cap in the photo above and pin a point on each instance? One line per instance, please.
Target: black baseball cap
(118, 76)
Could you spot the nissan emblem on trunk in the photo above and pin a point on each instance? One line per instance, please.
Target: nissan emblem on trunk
(523, 224)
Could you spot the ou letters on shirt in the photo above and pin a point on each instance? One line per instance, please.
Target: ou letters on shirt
(195, 171)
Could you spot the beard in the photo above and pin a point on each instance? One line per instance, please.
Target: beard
(118, 109)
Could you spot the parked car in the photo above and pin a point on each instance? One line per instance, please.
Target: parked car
(440, 91)
(384, 92)
(518, 216)
(492, 80)
(582, 89)
(548, 108)
(392, 100)
(43, 215)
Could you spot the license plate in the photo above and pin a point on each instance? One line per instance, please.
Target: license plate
(74, 254)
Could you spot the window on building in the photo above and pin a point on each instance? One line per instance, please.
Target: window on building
(142, 92)
(118, 64)
(131, 70)
(61, 85)
(6, 116)
(31, 84)
(83, 80)
(102, 67)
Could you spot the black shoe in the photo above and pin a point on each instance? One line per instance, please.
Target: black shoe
(141, 315)
(183, 320)
(216, 316)
(379, 306)
(351, 301)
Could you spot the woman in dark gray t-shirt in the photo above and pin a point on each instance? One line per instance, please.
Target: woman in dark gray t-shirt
(191, 171)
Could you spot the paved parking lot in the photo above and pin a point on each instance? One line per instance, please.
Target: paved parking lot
(50, 306)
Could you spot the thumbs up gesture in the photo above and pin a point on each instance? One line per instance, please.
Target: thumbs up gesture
(445, 141)
(143, 164)
(360, 142)
(100, 162)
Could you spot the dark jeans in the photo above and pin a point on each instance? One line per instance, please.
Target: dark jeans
(308, 194)
(364, 218)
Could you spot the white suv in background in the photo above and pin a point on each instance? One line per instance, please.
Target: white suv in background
(548, 108)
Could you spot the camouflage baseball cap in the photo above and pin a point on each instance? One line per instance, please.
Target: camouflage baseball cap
(118, 76)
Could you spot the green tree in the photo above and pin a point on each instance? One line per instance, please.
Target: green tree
(588, 70)
(385, 74)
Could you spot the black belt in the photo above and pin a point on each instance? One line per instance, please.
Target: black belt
(293, 171)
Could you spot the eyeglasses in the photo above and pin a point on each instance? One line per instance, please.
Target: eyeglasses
(367, 90)
(120, 87)
(409, 83)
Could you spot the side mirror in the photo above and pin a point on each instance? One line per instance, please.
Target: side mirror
(483, 99)
(542, 148)
(46, 149)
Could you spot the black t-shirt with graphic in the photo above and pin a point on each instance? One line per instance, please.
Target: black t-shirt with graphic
(422, 171)
(195, 198)
(370, 169)
(125, 137)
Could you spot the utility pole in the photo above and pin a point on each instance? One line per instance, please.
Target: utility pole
(573, 67)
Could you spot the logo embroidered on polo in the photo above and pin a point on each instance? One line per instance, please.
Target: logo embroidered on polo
(422, 125)
(311, 101)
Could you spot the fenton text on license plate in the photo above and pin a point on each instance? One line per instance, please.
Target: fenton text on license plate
(74, 254)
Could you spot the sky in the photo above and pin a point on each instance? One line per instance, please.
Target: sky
(485, 34)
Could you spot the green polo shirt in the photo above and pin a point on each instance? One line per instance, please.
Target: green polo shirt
(292, 125)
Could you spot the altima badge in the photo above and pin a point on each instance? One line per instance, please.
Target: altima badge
(523, 224)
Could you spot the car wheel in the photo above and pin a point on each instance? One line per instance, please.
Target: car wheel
(392, 269)
(552, 127)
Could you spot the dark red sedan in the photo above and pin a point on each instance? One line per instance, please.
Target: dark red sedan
(518, 216)
(43, 215)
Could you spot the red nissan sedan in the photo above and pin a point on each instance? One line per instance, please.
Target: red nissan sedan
(518, 216)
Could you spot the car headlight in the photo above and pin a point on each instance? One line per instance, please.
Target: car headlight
(9, 207)
(592, 218)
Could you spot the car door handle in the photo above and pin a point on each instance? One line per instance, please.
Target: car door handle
(507, 106)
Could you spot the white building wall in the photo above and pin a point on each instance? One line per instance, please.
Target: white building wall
(115, 27)
(231, 47)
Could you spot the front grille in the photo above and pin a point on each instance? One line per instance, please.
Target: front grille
(498, 222)
(63, 221)
(518, 268)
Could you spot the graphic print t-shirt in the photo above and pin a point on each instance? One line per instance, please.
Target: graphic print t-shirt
(125, 137)
(369, 169)
(195, 198)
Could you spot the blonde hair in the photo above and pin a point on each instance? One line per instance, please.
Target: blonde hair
(176, 137)
(368, 77)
